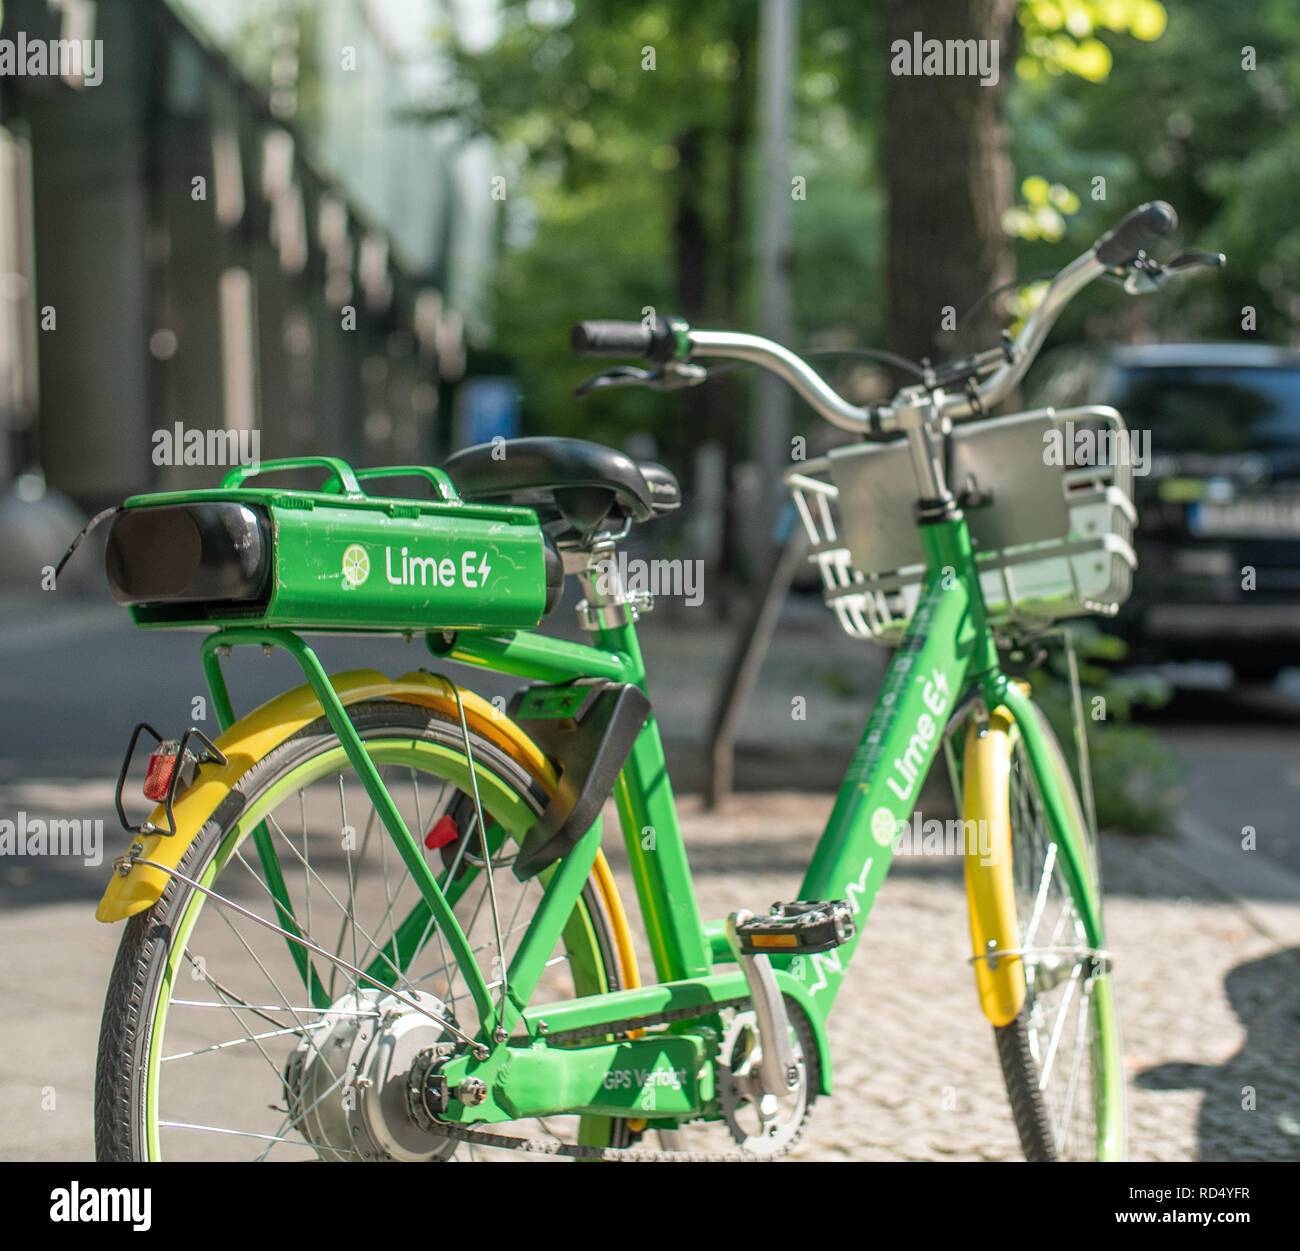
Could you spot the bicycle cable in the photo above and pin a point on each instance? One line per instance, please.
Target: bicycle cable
(965, 318)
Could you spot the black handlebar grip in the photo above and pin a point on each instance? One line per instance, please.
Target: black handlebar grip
(1142, 226)
(655, 342)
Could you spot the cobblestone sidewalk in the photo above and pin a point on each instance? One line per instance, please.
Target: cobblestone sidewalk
(1208, 1003)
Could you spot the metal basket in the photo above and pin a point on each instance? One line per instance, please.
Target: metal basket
(1054, 540)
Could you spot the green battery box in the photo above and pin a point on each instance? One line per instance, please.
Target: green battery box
(335, 559)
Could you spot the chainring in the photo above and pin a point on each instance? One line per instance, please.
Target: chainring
(764, 1125)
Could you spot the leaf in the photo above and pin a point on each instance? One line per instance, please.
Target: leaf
(1035, 189)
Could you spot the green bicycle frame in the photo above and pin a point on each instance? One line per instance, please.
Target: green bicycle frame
(947, 654)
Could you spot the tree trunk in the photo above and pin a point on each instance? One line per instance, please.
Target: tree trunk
(949, 176)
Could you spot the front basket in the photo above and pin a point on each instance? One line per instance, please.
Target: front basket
(1053, 540)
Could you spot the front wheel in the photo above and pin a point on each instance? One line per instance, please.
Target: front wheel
(1051, 997)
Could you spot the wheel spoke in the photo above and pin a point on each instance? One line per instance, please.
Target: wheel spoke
(1082, 1047)
(343, 909)
(244, 1133)
(1061, 1016)
(1040, 903)
(295, 1030)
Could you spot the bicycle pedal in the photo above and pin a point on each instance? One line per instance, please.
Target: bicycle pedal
(801, 928)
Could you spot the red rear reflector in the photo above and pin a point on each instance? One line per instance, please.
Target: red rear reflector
(159, 777)
(444, 831)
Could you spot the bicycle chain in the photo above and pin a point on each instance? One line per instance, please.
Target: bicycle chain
(641, 1022)
(626, 1155)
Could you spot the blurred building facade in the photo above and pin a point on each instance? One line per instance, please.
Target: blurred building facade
(243, 226)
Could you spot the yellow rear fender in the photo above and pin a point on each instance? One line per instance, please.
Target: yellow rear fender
(990, 884)
(251, 738)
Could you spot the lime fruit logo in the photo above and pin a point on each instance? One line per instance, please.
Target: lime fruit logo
(883, 826)
(356, 565)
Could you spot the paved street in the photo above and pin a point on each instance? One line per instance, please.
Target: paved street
(1206, 936)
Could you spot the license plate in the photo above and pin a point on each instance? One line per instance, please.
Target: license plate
(1259, 518)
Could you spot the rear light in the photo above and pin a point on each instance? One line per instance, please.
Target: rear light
(173, 766)
(162, 764)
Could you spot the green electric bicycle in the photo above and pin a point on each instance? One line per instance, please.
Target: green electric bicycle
(371, 919)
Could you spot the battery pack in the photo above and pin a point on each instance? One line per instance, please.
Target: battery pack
(331, 560)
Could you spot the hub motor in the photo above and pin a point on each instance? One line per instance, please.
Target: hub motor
(345, 1085)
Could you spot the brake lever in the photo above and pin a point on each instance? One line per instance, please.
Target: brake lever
(1195, 260)
(619, 376)
(669, 377)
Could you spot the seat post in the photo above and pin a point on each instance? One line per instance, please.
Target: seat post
(606, 603)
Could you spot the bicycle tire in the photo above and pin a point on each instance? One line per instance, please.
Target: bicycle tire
(131, 1011)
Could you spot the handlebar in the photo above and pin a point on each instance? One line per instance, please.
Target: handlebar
(673, 344)
(1029, 342)
(656, 341)
(1118, 248)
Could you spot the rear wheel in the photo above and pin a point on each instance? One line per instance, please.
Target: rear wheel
(221, 1040)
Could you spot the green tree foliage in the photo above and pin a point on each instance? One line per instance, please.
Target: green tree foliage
(624, 133)
(1138, 782)
(625, 128)
(617, 124)
(1183, 119)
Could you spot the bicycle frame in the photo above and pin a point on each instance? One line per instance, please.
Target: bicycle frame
(946, 655)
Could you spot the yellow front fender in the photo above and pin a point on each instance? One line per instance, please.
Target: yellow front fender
(251, 738)
(990, 884)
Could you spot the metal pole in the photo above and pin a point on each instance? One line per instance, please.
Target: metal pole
(746, 659)
(778, 39)
(778, 34)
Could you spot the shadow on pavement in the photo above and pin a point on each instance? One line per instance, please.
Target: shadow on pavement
(1251, 1109)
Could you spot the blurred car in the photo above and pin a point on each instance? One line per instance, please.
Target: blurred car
(1218, 538)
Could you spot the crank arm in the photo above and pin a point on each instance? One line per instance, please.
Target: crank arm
(779, 1071)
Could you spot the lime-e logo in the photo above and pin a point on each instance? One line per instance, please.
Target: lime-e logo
(405, 569)
(356, 565)
(907, 767)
